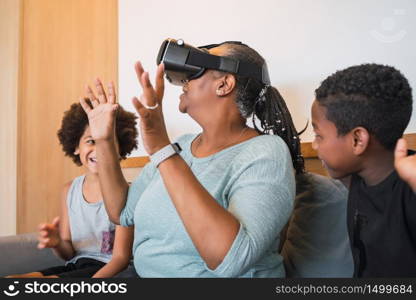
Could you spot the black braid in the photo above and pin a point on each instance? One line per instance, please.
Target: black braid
(270, 110)
(275, 118)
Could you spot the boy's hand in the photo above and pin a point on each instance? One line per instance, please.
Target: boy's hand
(49, 235)
(405, 165)
(101, 111)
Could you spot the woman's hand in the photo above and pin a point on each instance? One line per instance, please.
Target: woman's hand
(405, 165)
(101, 111)
(149, 107)
(49, 235)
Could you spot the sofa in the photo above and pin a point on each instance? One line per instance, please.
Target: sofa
(315, 243)
(19, 254)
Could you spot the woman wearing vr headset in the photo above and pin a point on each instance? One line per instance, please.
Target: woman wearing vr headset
(212, 204)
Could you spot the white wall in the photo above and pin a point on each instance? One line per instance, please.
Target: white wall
(303, 41)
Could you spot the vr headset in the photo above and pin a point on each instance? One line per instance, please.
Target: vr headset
(184, 62)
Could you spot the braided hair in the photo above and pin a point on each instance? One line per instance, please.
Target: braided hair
(266, 104)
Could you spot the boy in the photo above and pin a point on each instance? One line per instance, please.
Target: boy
(358, 116)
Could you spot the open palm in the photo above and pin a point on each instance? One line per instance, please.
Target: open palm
(101, 111)
(149, 107)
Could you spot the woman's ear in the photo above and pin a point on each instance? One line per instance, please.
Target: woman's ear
(361, 139)
(76, 152)
(225, 85)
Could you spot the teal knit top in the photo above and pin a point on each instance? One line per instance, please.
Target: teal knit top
(253, 180)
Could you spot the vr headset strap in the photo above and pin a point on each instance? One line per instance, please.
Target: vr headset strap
(227, 64)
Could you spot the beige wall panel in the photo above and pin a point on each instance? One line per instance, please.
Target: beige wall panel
(9, 62)
(66, 44)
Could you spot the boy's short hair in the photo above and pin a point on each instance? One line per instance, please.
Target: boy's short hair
(75, 121)
(376, 97)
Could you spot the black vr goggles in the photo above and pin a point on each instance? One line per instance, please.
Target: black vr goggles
(184, 62)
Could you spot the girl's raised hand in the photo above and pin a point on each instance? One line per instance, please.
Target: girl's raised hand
(101, 110)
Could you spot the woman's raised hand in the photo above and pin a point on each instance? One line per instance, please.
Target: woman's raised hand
(101, 111)
(149, 107)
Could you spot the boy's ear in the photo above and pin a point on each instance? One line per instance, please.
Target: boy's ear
(361, 138)
(76, 152)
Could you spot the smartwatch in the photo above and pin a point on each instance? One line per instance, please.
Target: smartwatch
(165, 153)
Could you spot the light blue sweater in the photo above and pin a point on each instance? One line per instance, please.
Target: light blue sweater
(253, 180)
